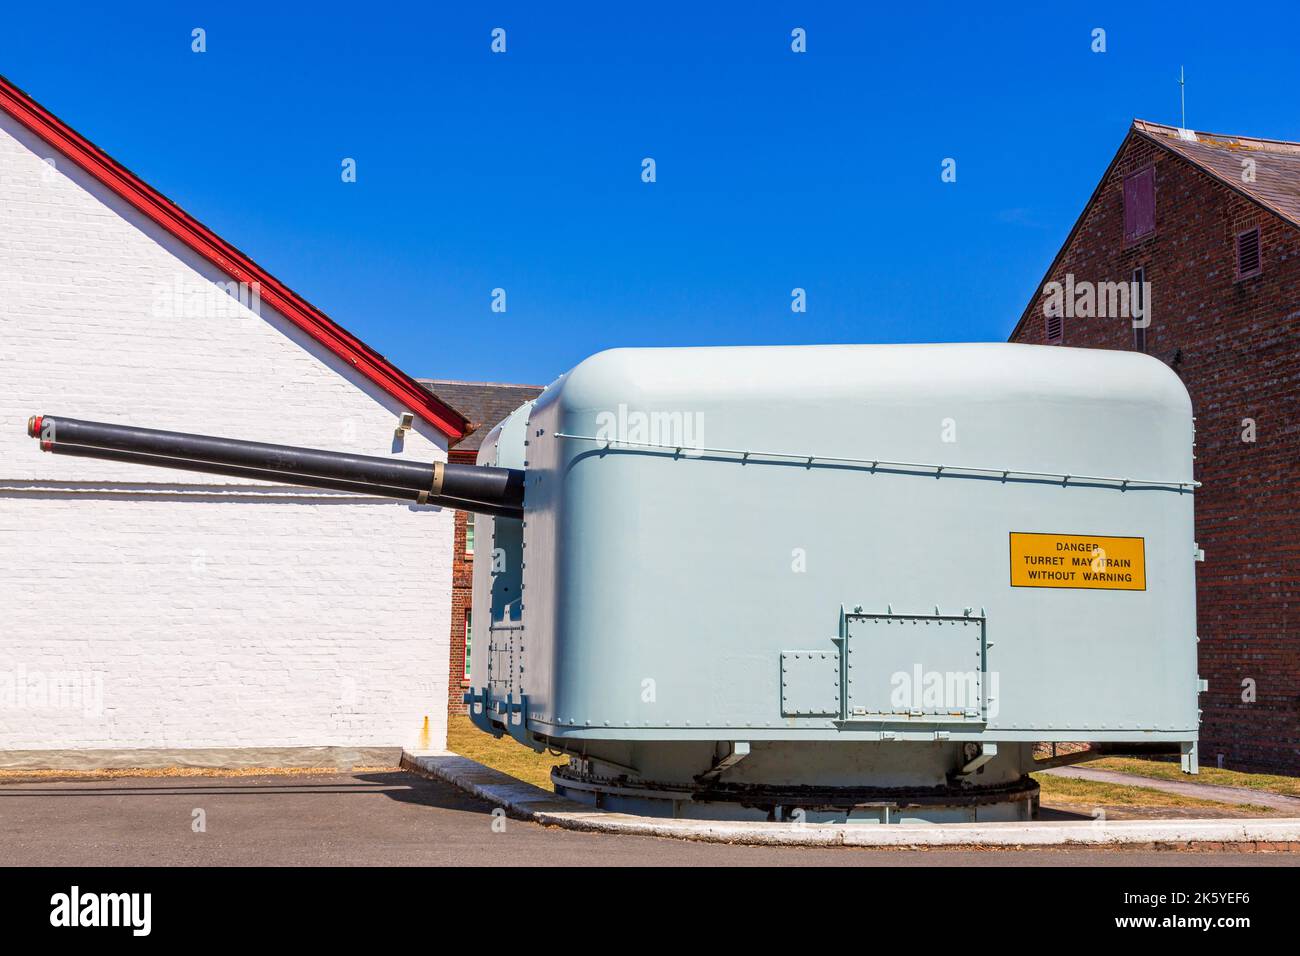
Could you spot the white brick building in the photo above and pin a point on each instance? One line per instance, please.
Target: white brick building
(152, 616)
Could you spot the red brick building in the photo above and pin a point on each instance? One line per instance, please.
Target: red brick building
(484, 404)
(1201, 234)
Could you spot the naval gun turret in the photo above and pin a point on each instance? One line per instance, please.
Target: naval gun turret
(821, 583)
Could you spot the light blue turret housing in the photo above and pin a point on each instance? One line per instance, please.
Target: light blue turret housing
(756, 579)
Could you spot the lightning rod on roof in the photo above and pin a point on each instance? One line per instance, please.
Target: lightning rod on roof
(1182, 96)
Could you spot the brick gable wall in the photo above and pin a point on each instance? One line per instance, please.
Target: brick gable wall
(462, 588)
(1236, 345)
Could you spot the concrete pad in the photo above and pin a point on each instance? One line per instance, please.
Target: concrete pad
(521, 799)
(533, 803)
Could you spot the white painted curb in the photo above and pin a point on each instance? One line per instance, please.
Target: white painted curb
(529, 802)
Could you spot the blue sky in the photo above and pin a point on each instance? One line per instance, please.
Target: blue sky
(522, 170)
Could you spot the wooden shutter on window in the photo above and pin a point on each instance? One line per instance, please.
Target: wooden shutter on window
(1139, 204)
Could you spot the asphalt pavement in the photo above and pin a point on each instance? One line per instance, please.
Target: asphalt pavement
(395, 818)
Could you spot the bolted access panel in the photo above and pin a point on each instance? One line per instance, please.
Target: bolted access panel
(929, 668)
(810, 684)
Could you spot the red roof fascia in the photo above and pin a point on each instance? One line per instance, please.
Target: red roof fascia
(230, 260)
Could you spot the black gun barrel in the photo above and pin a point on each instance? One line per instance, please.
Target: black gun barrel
(495, 491)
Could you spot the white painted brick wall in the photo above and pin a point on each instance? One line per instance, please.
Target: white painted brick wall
(192, 610)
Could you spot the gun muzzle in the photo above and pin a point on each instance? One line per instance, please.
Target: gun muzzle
(494, 491)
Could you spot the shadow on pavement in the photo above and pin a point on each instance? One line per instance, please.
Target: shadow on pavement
(398, 785)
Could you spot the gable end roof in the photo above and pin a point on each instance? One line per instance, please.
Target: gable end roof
(171, 217)
(485, 404)
(1275, 184)
(1276, 187)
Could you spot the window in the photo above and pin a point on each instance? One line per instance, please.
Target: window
(1139, 204)
(1138, 306)
(469, 533)
(1249, 260)
(469, 615)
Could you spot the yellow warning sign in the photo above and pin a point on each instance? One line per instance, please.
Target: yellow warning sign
(1078, 561)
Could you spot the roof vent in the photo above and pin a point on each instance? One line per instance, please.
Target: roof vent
(1054, 327)
(1249, 262)
(1187, 136)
